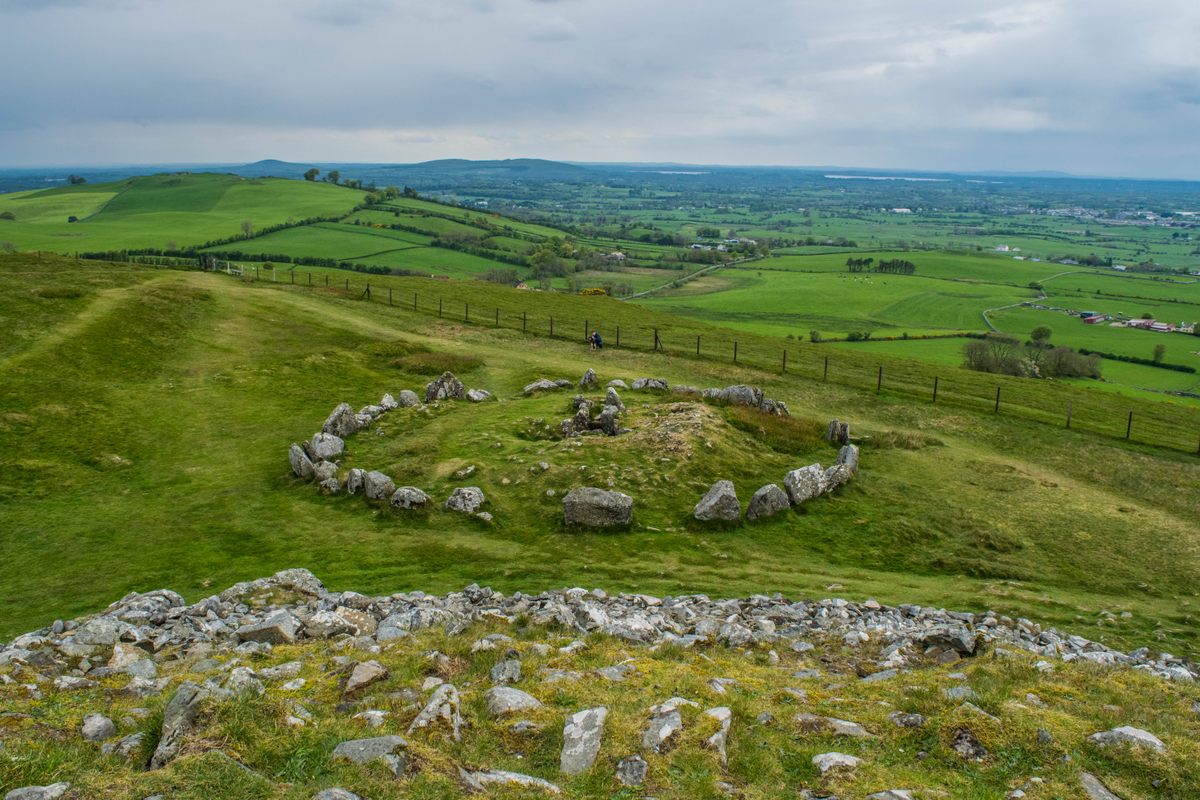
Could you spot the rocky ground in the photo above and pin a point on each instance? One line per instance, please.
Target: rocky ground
(280, 688)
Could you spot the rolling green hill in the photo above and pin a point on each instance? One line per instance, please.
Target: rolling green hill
(162, 402)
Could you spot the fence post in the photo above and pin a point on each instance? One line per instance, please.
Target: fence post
(310, 279)
(879, 380)
(347, 284)
(326, 280)
(697, 344)
(368, 292)
(785, 360)
(1070, 408)
(825, 377)
(587, 329)
(293, 277)
(618, 344)
(996, 410)
(552, 327)
(935, 388)
(735, 352)
(466, 312)
(497, 316)
(389, 295)
(1129, 426)
(524, 321)
(256, 272)
(439, 306)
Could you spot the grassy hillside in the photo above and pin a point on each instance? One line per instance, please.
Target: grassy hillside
(158, 210)
(146, 414)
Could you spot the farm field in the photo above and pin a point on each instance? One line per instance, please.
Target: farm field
(161, 210)
(95, 391)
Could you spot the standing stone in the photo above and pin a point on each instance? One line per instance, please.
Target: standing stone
(719, 740)
(506, 671)
(720, 502)
(409, 497)
(742, 395)
(342, 421)
(541, 385)
(446, 387)
(581, 740)
(597, 508)
(355, 480)
(837, 476)
(327, 446)
(611, 398)
(443, 706)
(848, 457)
(767, 501)
(97, 728)
(178, 721)
(650, 385)
(408, 398)
(324, 471)
(589, 380)
(388, 403)
(837, 432)
(302, 466)
(377, 486)
(805, 483)
(631, 771)
(609, 420)
(465, 499)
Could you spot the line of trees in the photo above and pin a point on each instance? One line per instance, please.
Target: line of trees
(1006, 355)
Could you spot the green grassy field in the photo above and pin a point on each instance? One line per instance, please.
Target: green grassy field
(163, 402)
(159, 210)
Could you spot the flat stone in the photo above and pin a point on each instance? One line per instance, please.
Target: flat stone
(378, 486)
(826, 762)
(719, 740)
(1127, 734)
(364, 751)
(665, 722)
(365, 674)
(478, 395)
(481, 781)
(631, 771)
(326, 447)
(279, 627)
(179, 719)
(443, 707)
(51, 792)
(1095, 789)
(905, 720)
(502, 700)
(336, 793)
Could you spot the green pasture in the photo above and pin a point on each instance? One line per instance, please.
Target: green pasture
(162, 210)
(162, 402)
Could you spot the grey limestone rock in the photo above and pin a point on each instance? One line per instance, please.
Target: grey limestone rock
(409, 497)
(342, 421)
(363, 675)
(805, 483)
(483, 780)
(1095, 789)
(478, 395)
(97, 728)
(408, 398)
(1127, 734)
(719, 741)
(590, 507)
(279, 627)
(378, 486)
(51, 792)
(443, 706)
(327, 446)
(503, 700)
(465, 499)
(445, 387)
(354, 480)
(179, 718)
(848, 456)
(541, 385)
(589, 380)
(631, 771)
(826, 762)
(650, 385)
(720, 503)
(581, 740)
(300, 463)
(767, 501)
(611, 398)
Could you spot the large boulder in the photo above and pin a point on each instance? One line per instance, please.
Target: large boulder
(302, 466)
(502, 700)
(590, 507)
(377, 486)
(541, 385)
(776, 408)
(650, 385)
(408, 398)
(465, 499)
(589, 380)
(478, 395)
(611, 398)
(409, 497)
(326, 447)
(445, 387)
(805, 483)
(354, 480)
(278, 627)
(742, 395)
(609, 420)
(837, 432)
(388, 403)
(342, 421)
(325, 471)
(720, 503)
(1128, 735)
(767, 501)
(836, 476)
(97, 728)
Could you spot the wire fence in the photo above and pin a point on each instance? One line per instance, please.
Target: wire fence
(1174, 426)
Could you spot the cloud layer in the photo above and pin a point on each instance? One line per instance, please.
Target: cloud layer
(1091, 86)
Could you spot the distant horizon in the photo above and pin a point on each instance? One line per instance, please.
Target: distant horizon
(888, 170)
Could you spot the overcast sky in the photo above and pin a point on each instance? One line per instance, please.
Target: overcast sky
(1086, 86)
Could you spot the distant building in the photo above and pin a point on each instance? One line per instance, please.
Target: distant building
(1096, 319)
(901, 210)
(615, 256)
